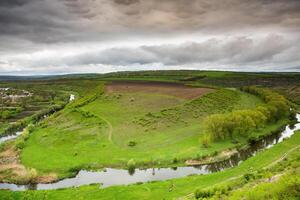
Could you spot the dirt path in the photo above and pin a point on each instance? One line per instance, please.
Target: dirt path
(282, 157)
(110, 129)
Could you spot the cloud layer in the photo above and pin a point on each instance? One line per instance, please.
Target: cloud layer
(69, 36)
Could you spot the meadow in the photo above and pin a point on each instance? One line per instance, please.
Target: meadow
(153, 129)
(144, 120)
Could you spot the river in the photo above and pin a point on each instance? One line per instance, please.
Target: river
(111, 177)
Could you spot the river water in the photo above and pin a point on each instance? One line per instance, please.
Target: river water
(11, 137)
(111, 177)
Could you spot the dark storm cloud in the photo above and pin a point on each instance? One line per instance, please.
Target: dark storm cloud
(12, 3)
(230, 32)
(60, 19)
(34, 21)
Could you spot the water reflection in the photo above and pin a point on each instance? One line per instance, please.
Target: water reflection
(11, 137)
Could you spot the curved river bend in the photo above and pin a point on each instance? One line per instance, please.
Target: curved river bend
(111, 177)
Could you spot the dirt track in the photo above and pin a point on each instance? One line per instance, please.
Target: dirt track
(173, 89)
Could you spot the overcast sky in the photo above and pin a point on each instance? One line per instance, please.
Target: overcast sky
(83, 36)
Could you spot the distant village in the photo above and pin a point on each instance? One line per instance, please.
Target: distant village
(13, 95)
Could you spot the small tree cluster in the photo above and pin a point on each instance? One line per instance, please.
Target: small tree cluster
(210, 192)
(221, 126)
(89, 97)
(241, 122)
(277, 105)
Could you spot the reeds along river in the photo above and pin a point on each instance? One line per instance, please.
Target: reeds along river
(110, 177)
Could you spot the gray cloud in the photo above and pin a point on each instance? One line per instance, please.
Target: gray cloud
(238, 51)
(126, 2)
(197, 33)
(49, 19)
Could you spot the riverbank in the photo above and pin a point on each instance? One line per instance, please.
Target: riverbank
(166, 189)
(11, 144)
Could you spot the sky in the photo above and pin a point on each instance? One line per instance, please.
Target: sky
(99, 36)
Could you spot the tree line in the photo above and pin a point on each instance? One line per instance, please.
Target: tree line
(241, 122)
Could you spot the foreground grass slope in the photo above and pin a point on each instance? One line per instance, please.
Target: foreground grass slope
(164, 130)
(178, 188)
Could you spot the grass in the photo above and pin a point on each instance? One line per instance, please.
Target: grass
(45, 94)
(287, 187)
(183, 187)
(143, 130)
(162, 127)
(149, 129)
(215, 78)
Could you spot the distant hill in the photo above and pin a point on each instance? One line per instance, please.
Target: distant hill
(45, 77)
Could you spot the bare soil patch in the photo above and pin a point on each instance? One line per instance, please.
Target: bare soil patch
(172, 89)
(223, 155)
(11, 170)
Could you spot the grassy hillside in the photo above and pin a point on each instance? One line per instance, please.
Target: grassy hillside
(151, 122)
(153, 129)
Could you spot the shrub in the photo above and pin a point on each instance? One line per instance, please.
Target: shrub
(20, 144)
(131, 143)
(206, 140)
(215, 153)
(131, 166)
(31, 175)
(248, 177)
(175, 160)
(203, 193)
(30, 128)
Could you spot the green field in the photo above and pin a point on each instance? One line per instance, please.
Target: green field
(166, 127)
(151, 122)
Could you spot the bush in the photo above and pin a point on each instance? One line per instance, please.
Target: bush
(203, 193)
(206, 140)
(31, 175)
(131, 166)
(249, 176)
(131, 143)
(30, 128)
(175, 160)
(20, 144)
